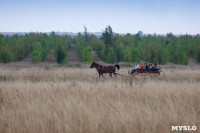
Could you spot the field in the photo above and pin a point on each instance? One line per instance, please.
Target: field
(65, 99)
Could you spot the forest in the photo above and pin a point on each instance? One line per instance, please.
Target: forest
(37, 45)
(111, 47)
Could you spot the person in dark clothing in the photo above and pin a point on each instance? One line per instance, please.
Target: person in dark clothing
(146, 67)
(155, 65)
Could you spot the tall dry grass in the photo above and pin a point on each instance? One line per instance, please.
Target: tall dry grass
(74, 100)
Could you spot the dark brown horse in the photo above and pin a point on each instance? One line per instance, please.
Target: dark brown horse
(105, 69)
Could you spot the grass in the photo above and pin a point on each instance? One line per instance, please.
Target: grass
(78, 65)
(127, 65)
(71, 100)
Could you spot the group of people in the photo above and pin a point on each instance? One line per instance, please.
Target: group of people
(145, 67)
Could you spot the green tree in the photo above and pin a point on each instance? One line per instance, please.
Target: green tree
(80, 43)
(101, 48)
(127, 54)
(107, 36)
(6, 55)
(111, 56)
(119, 52)
(197, 55)
(87, 54)
(36, 55)
(181, 56)
(60, 52)
(135, 57)
(86, 35)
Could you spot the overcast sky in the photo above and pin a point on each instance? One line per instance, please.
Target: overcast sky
(124, 16)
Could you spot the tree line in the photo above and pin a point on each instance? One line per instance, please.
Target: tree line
(37, 45)
(112, 47)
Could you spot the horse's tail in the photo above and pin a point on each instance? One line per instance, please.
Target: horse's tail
(117, 66)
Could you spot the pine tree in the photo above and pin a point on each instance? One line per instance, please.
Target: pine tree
(60, 52)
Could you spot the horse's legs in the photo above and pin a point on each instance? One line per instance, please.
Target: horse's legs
(110, 74)
(101, 74)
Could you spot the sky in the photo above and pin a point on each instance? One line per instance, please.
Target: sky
(124, 16)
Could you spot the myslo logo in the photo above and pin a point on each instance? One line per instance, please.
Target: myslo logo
(184, 128)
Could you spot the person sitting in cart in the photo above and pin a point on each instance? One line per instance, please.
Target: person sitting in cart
(146, 67)
(155, 65)
(137, 66)
(150, 68)
(142, 66)
(154, 68)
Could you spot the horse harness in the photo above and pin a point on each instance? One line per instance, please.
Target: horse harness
(100, 67)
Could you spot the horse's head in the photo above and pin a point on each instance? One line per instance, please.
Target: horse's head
(93, 64)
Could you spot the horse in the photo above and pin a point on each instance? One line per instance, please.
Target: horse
(105, 69)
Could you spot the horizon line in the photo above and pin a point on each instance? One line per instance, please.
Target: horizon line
(96, 32)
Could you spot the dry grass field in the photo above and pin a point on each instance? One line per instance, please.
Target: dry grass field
(73, 100)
